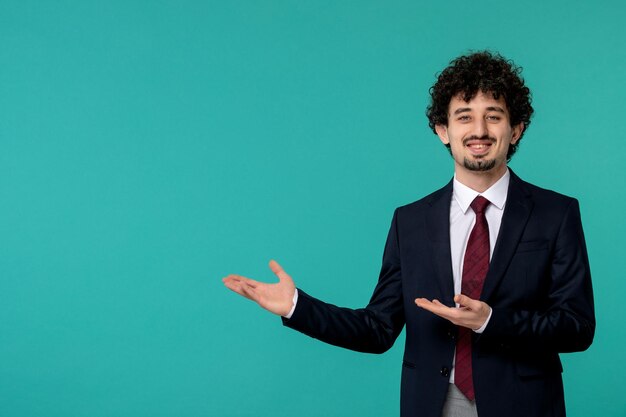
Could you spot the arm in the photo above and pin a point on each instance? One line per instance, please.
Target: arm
(371, 329)
(565, 321)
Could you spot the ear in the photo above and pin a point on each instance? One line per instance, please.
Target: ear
(517, 133)
(442, 132)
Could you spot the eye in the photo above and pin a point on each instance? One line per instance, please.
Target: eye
(494, 117)
(463, 118)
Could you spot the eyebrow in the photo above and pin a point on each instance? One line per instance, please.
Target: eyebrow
(490, 108)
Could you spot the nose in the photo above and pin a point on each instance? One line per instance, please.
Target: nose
(480, 127)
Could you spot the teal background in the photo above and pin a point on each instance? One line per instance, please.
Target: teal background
(148, 148)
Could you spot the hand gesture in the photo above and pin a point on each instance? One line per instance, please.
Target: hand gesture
(470, 313)
(276, 298)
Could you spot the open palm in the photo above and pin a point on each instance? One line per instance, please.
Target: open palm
(276, 298)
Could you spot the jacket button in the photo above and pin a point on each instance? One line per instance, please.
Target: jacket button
(445, 372)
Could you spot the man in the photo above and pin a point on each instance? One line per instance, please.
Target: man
(489, 274)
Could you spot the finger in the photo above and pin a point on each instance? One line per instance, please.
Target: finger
(235, 287)
(439, 309)
(240, 279)
(242, 289)
(430, 305)
(278, 270)
(235, 277)
(422, 302)
(250, 293)
(465, 301)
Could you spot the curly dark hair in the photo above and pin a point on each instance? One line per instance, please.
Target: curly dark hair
(486, 72)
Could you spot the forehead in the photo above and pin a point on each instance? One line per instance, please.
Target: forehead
(480, 102)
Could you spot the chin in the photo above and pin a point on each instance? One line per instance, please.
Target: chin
(479, 165)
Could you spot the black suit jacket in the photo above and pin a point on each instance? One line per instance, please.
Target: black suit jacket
(538, 285)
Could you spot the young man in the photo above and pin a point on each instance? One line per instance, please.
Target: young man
(489, 274)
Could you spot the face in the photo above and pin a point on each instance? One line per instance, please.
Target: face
(479, 134)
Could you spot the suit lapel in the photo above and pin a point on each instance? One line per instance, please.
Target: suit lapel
(516, 213)
(438, 226)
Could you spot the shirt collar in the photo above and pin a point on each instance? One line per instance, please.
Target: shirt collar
(496, 194)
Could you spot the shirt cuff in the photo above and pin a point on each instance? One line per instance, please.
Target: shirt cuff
(480, 329)
(295, 301)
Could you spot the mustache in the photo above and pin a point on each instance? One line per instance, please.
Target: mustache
(484, 137)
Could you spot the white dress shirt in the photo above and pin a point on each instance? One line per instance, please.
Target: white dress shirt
(462, 220)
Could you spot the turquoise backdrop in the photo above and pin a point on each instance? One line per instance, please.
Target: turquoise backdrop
(148, 148)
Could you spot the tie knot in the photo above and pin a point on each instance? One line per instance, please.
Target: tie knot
(479, 204)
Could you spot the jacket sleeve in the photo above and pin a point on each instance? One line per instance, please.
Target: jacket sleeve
(566, 320)
(372, 329)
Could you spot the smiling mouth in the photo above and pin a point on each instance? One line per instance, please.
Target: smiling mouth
(479, 149)
(479, 145)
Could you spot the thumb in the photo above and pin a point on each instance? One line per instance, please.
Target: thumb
(465, 301)
(279, 271)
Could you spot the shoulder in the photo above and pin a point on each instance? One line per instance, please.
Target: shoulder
(541, 197)
(441, 197)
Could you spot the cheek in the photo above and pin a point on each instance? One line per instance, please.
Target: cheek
(505, 135)
(457, 142)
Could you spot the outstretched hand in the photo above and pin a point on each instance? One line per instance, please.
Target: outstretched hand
(470, 313)
(276, 298)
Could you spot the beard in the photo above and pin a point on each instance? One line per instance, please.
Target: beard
(479, 165)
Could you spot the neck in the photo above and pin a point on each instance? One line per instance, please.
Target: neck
(479, 180)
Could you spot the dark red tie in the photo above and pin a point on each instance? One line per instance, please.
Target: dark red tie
(475, 267)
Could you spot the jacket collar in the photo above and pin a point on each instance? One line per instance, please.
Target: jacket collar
(519, 205)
